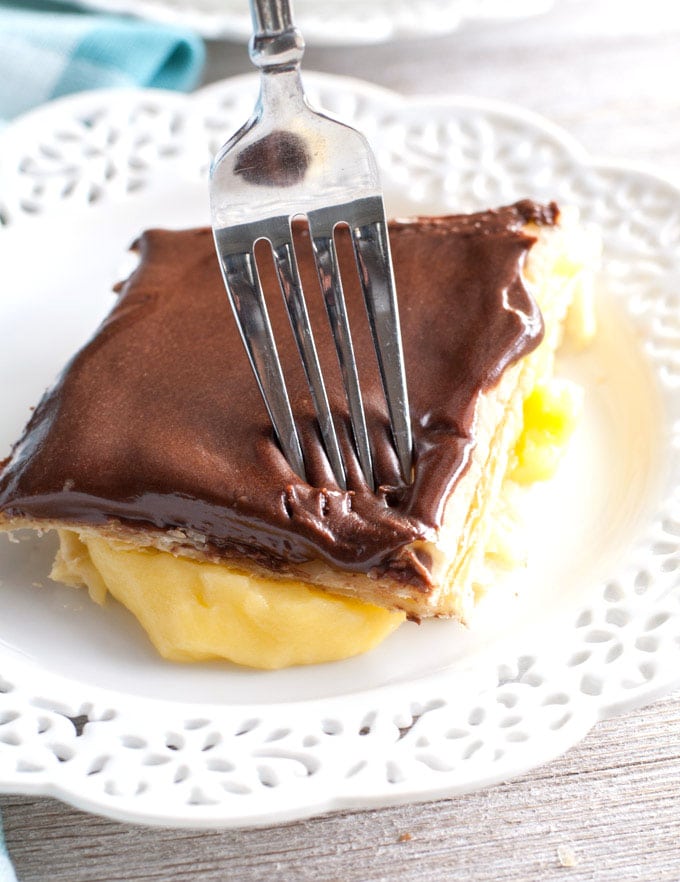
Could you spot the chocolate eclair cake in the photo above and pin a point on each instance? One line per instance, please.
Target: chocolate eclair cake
(155, 441)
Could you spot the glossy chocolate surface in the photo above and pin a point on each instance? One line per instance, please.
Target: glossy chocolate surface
(158, 422)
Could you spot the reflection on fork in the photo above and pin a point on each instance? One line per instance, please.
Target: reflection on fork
(287, 161)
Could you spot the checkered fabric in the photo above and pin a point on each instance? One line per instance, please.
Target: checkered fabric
(49, 49)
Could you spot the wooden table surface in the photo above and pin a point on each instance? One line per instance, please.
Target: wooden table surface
(609, 72)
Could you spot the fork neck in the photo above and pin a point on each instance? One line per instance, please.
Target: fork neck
(281, 95)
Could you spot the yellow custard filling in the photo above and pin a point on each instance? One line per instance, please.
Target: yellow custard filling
(195, 611)
(550, 415)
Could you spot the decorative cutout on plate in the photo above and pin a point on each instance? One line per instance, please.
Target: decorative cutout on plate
(101, 150)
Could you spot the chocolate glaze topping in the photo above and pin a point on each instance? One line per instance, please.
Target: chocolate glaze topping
(158, 422)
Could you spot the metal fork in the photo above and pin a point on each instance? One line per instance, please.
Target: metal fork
(290, 160)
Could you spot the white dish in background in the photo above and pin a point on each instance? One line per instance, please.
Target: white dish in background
(329, 22)
(436, 710)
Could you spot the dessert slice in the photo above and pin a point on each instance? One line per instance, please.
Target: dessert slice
(154, 458)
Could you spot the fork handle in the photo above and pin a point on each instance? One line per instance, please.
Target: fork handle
(271, 16)
(276, 43)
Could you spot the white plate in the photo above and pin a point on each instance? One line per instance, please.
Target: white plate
(436, 710)
(329, 22)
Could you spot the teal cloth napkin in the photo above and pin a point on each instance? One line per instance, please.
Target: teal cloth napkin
(49, 49)
(6, 869)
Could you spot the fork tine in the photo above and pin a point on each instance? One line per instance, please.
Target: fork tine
(280, 235)
(372, 253)
(321, 225)
(245, 295)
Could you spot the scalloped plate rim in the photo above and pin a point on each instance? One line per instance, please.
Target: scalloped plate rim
(598, 711)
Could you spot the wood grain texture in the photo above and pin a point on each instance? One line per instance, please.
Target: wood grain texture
(609, 72)
(611, 805)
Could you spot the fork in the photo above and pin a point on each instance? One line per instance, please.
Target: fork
(289, 160)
